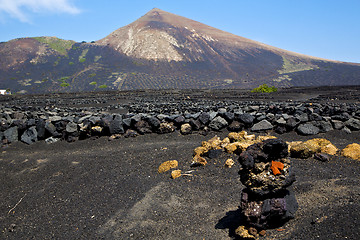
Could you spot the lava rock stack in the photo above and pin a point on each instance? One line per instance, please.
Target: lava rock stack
(266, 173)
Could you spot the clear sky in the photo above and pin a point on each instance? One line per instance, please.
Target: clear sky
(322, 28)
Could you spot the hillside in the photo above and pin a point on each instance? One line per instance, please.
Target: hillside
(158, 51)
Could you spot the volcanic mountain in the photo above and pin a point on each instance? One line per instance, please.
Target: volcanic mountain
(162, 50)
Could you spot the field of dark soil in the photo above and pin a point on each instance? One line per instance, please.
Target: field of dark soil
(101, 189)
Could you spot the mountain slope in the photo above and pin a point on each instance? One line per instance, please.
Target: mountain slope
(162, 50)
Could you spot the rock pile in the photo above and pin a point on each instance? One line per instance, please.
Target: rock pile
(32, 123)
(266, 173)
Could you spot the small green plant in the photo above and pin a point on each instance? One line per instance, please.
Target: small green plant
(71, 63)
(93, 83)
(92, 75)
(264, 89)
(63, 79)
(82, 60)
(103, 86)
(64, 84)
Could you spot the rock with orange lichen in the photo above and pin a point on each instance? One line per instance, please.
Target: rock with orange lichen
(352, 151)
(231, 147)
(234, 143)
(175, 174)
(198, 161)
(309, 148)
(225, 142)
(237, 136)
(200, 151)
(265, 167)
(243, 233)
(166, 166)
(263, 138)
(212, 144)
(276, 167)
(266, 173)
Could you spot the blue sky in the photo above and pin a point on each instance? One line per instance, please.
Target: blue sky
(322, 28)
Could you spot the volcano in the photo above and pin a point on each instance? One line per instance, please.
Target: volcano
(162, 50)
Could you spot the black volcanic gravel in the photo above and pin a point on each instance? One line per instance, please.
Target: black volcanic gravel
(100, 189)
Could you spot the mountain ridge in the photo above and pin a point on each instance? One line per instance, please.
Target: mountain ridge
(162, 50)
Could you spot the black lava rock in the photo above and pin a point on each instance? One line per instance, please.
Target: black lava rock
(275, 149)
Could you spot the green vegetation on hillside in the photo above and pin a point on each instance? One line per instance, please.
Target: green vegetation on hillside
(57, 44)
(63, 79)
(264, 89)
(83, 55)
(290, 66)
(103, 86)
(64, 84)
(97, 58)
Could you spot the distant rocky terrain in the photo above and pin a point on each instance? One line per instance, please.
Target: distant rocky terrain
(161, 50)
(79, 116)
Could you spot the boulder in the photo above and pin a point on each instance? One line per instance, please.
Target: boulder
(11, 134)
(40, 128)
(291, 123)
(235, 126)
(185, 129)
(195, 124)
(275, 149)
(204, 118)
(352, 151)
(179, 120)
(30, 122)
(71, 127)
(309, 148)
(341, 117)
(166, 127)
(29, 136)
(229, 116)
(127, 122)
(245, 118)
(281, 121)
(324, 126)
(116, 125)
(269, 212)
(262, 126)
(307, 129)
(218, 123)
(353, 124)
(142, 127)
(303, 117)
(154, 122)
(175, 174)
(166, 166)
(337, 124)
